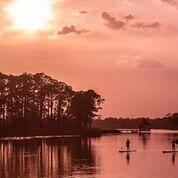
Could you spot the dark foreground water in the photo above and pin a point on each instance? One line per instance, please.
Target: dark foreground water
(89, 158)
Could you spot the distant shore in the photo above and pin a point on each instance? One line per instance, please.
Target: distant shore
(168, 122)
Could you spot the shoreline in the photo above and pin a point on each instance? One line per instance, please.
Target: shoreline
(78, 133)
(87, 133)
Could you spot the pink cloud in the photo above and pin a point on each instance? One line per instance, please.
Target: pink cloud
(71, 29)
(171, 2)
(112, 22)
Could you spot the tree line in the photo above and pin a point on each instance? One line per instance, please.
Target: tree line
(169, 121)
(40, 105)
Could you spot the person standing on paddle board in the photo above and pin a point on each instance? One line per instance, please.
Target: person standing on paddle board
(128, 144)
(173, 145)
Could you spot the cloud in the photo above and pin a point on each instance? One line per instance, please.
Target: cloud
(145, 26)
(171, 2)
(149, 64)
(139, 62)
(112, 22)
(71, 29)
(128, 17)
(83, 12)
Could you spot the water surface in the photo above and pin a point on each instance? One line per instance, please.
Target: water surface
(89, 158)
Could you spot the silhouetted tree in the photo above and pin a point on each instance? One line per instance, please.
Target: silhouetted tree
(172, 120)
(39, 104)
(84, 106)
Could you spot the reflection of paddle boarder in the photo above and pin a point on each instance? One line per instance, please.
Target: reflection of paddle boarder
(128, 144)
(128, 158)
(173, 157)
(173, 145)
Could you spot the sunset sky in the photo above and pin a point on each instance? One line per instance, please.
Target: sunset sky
(127, 50)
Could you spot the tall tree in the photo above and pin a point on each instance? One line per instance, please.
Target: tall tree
(84, 106)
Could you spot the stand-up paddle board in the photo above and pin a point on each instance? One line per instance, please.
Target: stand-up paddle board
(169, 151)
(125, 151)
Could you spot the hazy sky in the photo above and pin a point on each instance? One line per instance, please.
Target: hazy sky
(127, 50)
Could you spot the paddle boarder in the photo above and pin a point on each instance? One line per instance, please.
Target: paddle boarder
(173, 145)
(128, 144)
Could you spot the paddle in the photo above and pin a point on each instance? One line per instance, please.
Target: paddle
(122, 147)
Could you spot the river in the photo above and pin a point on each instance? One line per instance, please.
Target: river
(78, 157)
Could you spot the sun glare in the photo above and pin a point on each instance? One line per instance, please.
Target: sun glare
(31, 15)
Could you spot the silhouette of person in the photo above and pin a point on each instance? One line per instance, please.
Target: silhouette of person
(173, 145)
(128, 144)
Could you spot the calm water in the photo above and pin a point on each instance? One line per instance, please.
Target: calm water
(89, 158)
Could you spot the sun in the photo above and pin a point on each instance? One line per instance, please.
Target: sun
(31, 15)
